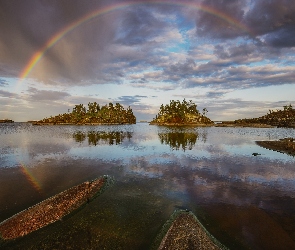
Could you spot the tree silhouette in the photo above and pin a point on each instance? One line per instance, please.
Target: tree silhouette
(180, 113)
(107, 114)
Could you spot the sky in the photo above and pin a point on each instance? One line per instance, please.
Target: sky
(234, 57)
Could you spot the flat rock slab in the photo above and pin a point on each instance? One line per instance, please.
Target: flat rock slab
(50, 210)
(286, 145)
(186, 232)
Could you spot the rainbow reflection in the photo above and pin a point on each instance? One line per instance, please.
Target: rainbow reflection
(30, 177)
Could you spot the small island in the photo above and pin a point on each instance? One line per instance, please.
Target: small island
(181, 114)
(95, 115)
(278, 118)
(6, 121)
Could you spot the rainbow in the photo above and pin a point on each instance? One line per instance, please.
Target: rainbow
(30, 178)
(106, 9)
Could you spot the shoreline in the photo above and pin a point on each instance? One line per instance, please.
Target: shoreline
(227, 124)
(88, 124)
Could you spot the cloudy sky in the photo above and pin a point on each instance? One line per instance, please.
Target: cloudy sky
(234, 57)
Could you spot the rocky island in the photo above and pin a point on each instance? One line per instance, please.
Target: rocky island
(278, 118)
(93, 115)
(6, 121)
(180, 114)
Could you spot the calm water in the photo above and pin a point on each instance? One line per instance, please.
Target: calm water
(246, 202)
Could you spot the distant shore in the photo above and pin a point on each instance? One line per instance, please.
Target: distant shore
(88, 123)
(220, 124)
(250, 125)
(6, 121)
(182, 124)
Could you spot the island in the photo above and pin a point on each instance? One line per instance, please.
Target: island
(278, 118)
(6, 121)
(180, 114)
(93, 115)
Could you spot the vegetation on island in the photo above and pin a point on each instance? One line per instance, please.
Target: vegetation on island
(278, 118)
(181, 113)
(6, 121)
(93, 114)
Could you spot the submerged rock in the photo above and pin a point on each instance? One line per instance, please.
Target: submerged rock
(286, 145)
(51, 209)
(184, 231)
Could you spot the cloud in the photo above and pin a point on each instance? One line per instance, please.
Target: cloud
(130, 100)
(163, 49)
(266, 16)
(215, 27)
(284, 37)
(138, 26)
(3, 82)
(46, 95)
(26, 27)
(7, 94)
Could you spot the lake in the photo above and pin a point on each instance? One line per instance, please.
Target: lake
(245, 201)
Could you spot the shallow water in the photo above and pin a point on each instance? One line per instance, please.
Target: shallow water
(245, 201)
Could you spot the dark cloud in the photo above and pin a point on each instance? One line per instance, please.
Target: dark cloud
(27, 26)
(215, 94)
(284, 37)
(3, 82)
(269, 23)
(45, 95)
(114, 47)
(213, 26)
(139, 26)
(180, 70)
(237, 53)
(129, 100)
(8, 94)
(271, 16)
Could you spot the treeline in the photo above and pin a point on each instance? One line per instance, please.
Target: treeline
(94, 114)
(184, 112)
(278, 118)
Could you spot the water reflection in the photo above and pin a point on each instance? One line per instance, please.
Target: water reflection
(247, 202)
(181, 139)
(102, 137)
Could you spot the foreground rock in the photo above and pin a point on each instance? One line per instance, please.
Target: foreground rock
(186, 232)
(51, 209)
(286, 145)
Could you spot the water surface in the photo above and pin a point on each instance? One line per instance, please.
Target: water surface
(245, 201)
